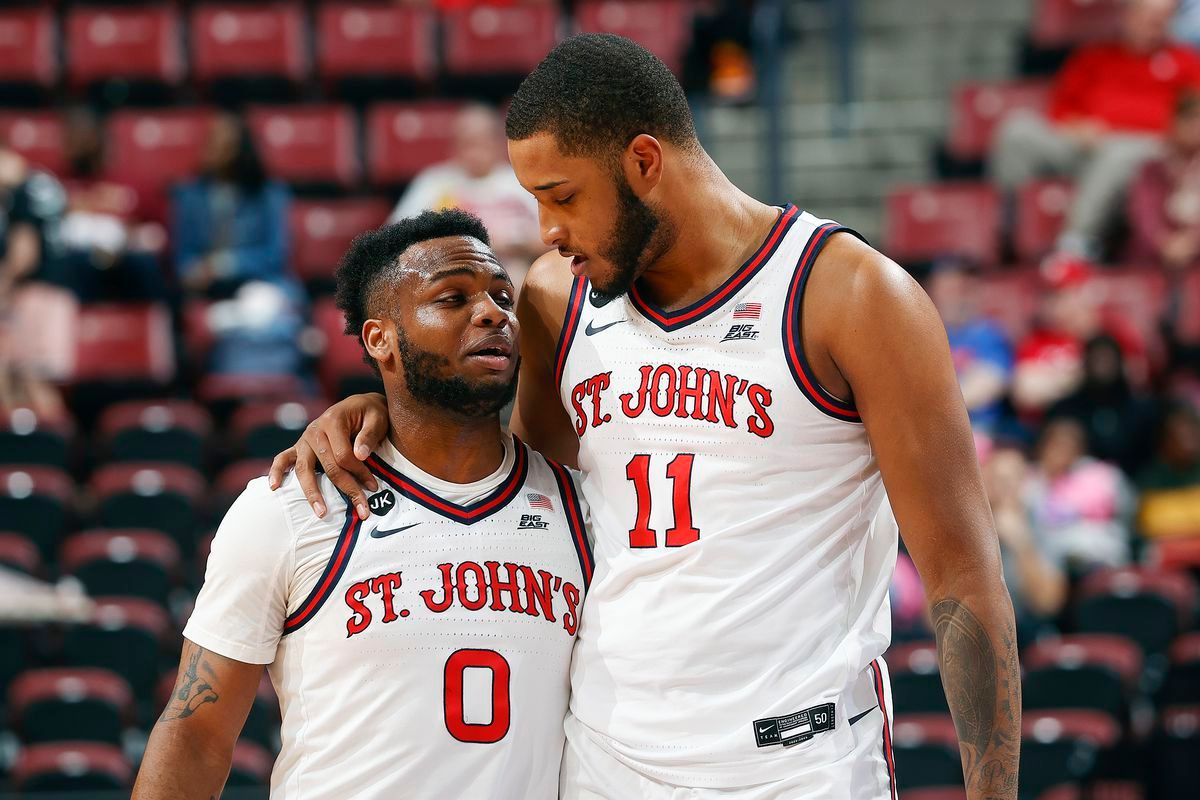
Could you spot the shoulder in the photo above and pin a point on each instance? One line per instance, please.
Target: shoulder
(851, 276)
(544, 298)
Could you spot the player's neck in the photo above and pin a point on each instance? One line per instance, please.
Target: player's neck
(453, 448)
(719, 228)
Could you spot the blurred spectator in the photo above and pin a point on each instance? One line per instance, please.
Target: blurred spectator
(111, 245)
(983, 357)
(1079, 507)
(1035, 577)
(1110, 104)
(1049, 364)
(479, 179)
(230, 235)
(1164, 200)
(1186, 27)
(906, 595)
(719, 61)
(1118, 420)
(1170, 485)
(31, 209)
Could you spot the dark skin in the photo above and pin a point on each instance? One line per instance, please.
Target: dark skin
(450, 297)
(889, 355)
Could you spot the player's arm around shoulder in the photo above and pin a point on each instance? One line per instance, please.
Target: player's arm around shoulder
(231, 635)
(881, 332)
(538, 416)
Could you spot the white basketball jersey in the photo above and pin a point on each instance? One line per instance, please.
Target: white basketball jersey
(430, 659)
(744, 542)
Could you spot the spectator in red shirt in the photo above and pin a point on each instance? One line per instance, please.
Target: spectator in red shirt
(1164, 200)
(1109, 107)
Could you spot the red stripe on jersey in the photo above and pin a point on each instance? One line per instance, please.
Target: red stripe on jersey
(329, 579)
(887, 728)
(570, 327)
(574, 519)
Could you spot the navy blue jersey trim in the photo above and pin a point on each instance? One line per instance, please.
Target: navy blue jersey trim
(334, 569)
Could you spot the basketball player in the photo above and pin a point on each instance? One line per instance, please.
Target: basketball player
(421, 652)
(751, 392)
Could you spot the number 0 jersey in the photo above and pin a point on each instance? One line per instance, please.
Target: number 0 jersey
(421, 653)
(744, 541)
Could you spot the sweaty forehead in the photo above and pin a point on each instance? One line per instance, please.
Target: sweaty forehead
(427, 260)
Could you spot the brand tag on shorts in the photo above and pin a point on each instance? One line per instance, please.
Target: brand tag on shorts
(794, 728)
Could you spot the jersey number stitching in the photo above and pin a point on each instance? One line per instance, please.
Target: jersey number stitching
(680, 472)
(452, 696)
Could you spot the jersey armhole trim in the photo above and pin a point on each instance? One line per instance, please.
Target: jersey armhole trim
(574, 514)
(570, 327)
(334, 569)
(793, 346)
(887, 728)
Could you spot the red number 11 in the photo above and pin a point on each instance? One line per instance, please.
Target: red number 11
(680, 473)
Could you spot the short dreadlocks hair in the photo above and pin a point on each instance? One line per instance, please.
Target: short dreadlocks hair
(596, 92)
(374, 257)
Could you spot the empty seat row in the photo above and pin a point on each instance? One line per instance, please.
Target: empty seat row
(353, 39)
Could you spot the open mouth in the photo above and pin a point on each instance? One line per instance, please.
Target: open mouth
(495, 354)
(578, 262)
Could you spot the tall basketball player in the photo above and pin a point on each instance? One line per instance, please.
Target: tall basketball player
(751, 392)
(422, 651)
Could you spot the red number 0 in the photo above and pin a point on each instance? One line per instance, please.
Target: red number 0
(459, 728)
(680, 472)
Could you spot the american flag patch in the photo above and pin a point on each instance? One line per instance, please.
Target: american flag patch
(747, 310)
(539, 501)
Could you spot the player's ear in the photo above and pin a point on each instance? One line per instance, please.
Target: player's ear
(643, 162)
(377, 336)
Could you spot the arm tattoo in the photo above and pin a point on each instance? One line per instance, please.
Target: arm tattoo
(193, 689)
(982, 682)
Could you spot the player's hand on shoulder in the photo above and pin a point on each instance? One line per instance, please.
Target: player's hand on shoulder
(339, 441)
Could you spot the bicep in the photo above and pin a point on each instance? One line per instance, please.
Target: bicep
(212, 693)
(539, 418)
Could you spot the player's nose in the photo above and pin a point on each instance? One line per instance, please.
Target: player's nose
(488, 314)
(553, 234)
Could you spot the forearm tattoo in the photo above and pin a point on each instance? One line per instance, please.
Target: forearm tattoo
(194, 688)
(982, 680)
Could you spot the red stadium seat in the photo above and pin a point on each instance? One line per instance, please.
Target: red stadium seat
(1147, 605)
(1061, 749)
(35, 501)
(664, 27)
(261, 430)
(977, 110)
(1011, 299)
(370, 40)
(71, 767)
(404, 138)
(125, 635)
(1119, 654)
(916, 681)
(28, 46)
(156, 148)
(1139, 298)
(926, 751)
(124, 341)
(343, 355)
(230, 41)
(224, 393)
(158, 496)
(19, 552)
(487, 39)
(323, 229)
(308, 144)
(1042, 208)
(1049, 726)
(1182, 684)
(138, 43)
(1082, 672)
(927, 222)
(86, 704)
(1065, 23)
(37, 135)
(26, 438)
(1177, 554)
(152, 430)
(137, 563)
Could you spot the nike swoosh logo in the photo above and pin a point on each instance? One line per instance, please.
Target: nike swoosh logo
(764, 730)
(380, 533)
(590, 331)
(857, 717)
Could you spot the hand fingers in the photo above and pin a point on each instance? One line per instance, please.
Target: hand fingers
(374, 429)
(306, 473)
(345, 481)
(346, 458)
(280, 466)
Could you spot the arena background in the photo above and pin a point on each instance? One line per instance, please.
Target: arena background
(137, 400)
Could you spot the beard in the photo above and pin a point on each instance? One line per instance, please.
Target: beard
(636, 238)
(456, 394)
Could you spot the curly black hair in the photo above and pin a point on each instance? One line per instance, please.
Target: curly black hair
(374, 256)
(595, 92)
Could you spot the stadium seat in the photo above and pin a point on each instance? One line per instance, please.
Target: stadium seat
(263, 429)
(916, 682)
(948, 219)
(140, 43)
(198, 337)
(251, 765)
(664, 27)
(1062, 748)
(19, 552)
(1138, 296)
(1042, 208)
(926, 751)
(156, 148)
(1148, 606)
(365, 40)
(172, 431)
(404, 138)
(35, 501)
(315, 144)
(1177, 768)
(1182, 684)
(223, 394)
(248, 41)
(28, 43)
(1065, 23)
(156, 496)
(977, 109)
(71, 767)
(343, 356)
(124, 341)
(1082, 671)
(323, 229)
(1180, 553)
(1011, 299)
(37, 135)
(485, 40)
(26, 438)
(85, 704)
(125, 635)
(228, 485)
(133, 563)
